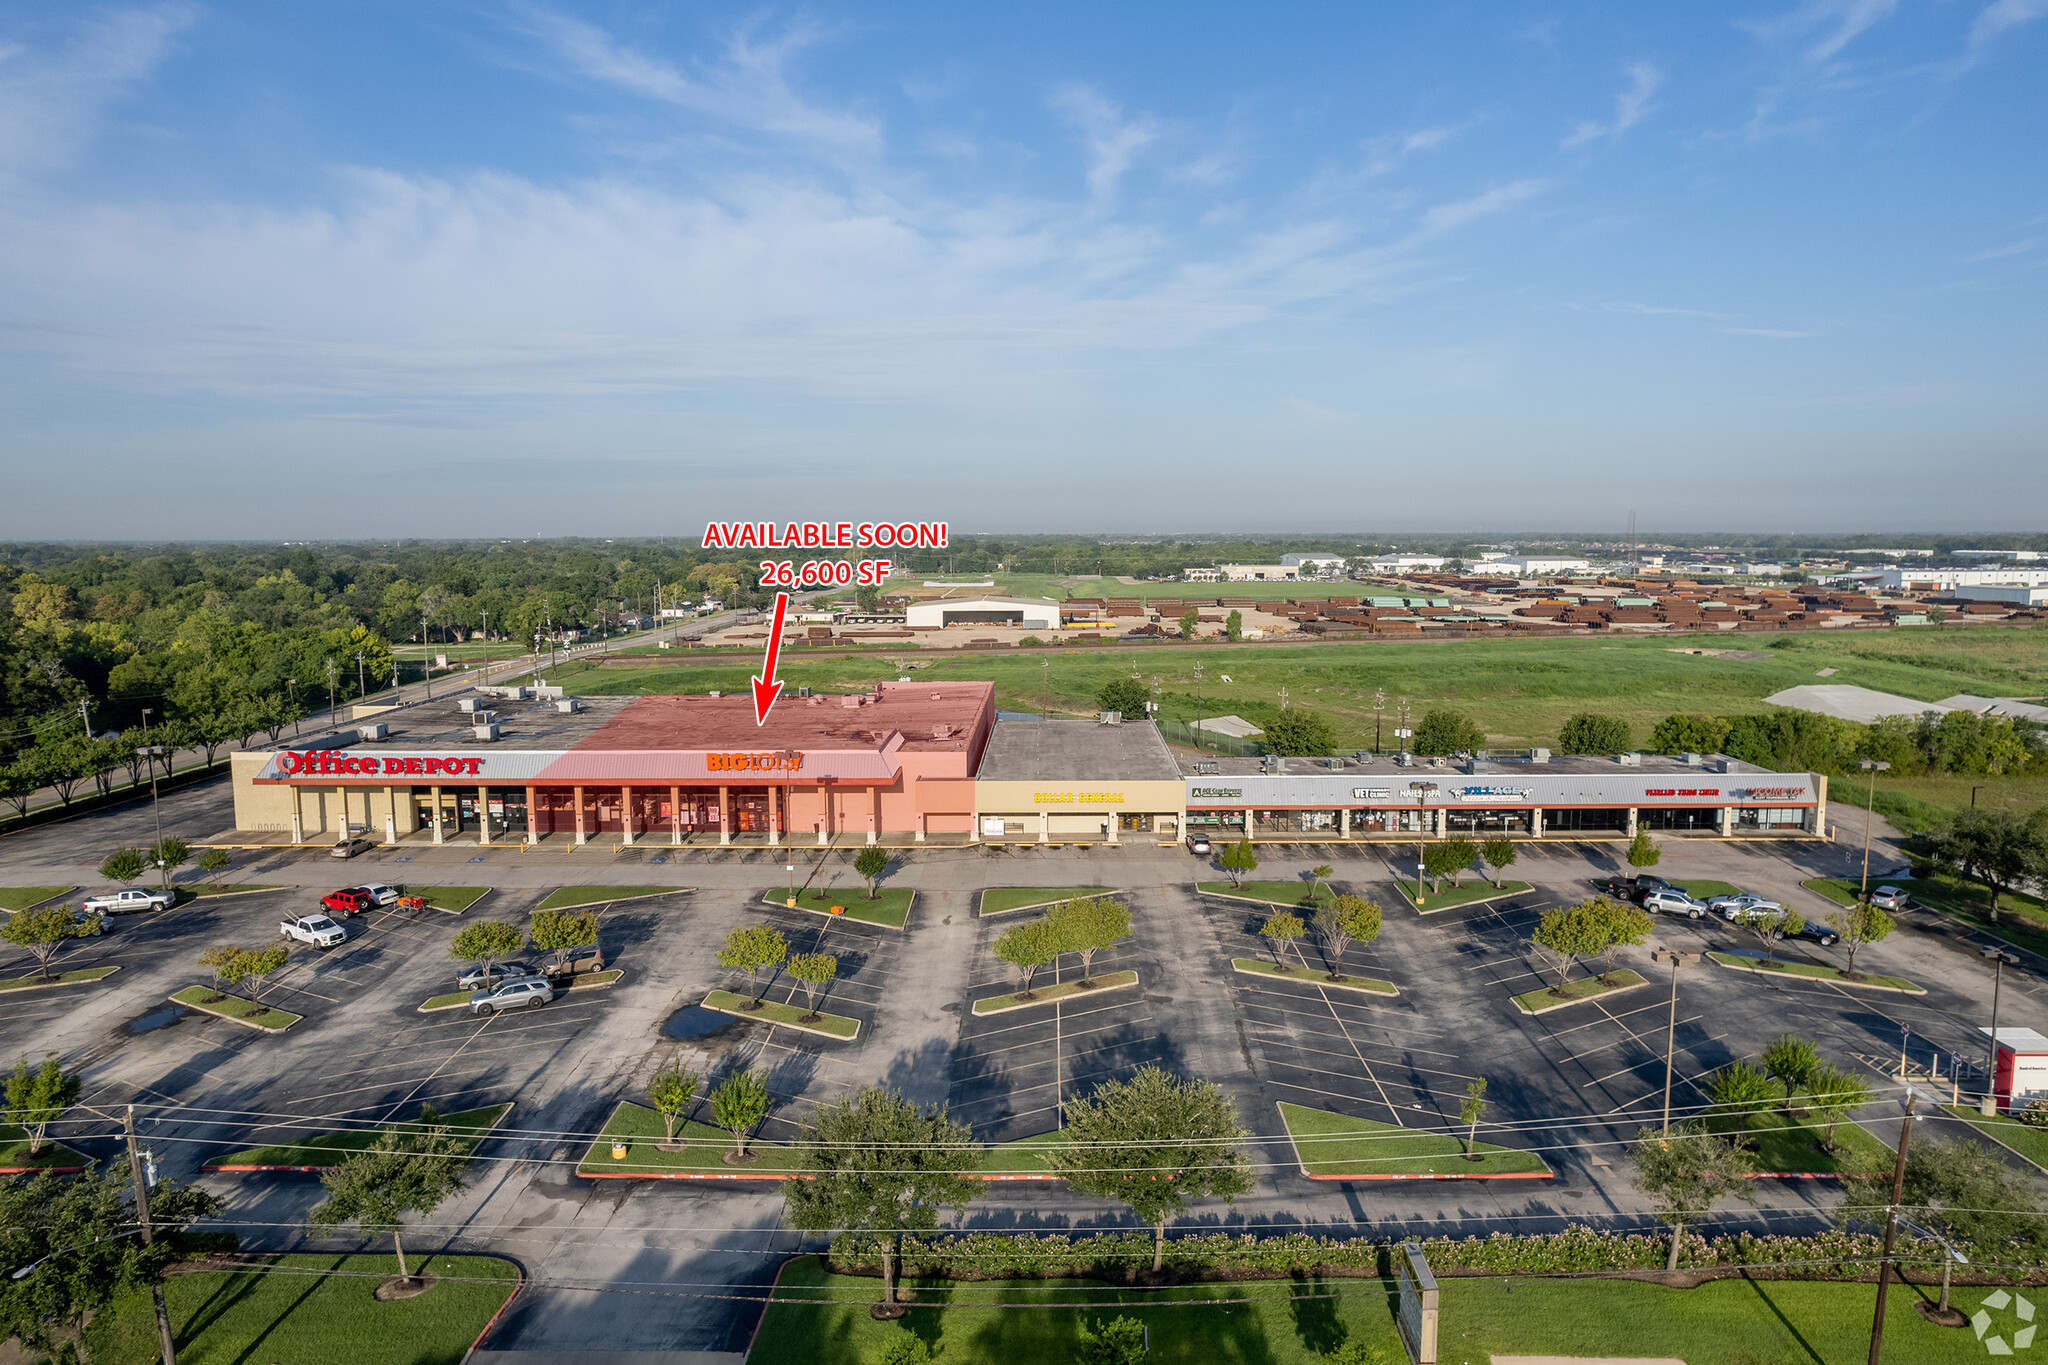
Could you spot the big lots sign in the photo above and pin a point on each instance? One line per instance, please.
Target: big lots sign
(332, 762)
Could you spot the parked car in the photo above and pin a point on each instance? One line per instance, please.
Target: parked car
(91, 923)
(1669, 900)
(1890, 898)
(1743, 907)
(128, 902)
(1634, 888)
(349, 848)
(1817, 933)
(504, 971)
(350, 900)
(528, 993)
(575, 962)
(1199, 846)
(317, 930)
(380, 893)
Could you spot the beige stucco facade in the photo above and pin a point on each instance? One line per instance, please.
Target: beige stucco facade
(1069, 810)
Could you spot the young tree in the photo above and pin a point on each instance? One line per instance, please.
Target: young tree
(1832, 1094)
(814, 971)
(1965, 1194)
(1563, 935)
(43, 931)
(669, 1093)
(167, 856)
(1154, 1142)
(1775, 925)
(740, 1102)
(1857, 925)
(1233, 625)
(1027, 947)
(1342, 921)
(1299, 731)
(258, 965)
(1120, 1341)
(1125, 695)
(1446, 859)
(1615, 925)
(871, 863)
(122, 866)
(880, 1166)
(751, 948)
(1283, 929)
(37, 1098)
(213, 862)
(1190, 623)
(1589, 732)
(1319, 874)
(1996, 846)
(1500, 854)
(1642, 854)
(226, 960)
(1087, 925)
(1459, 853)
(1740, 1090)
(1791, 1061)
(1687, 1172)
(1239, 860)
(1472, 1110)
(562, 931)
(1447, 732)
(487, 943)
(401, 1172)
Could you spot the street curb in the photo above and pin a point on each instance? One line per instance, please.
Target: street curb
(781, 902)
(216, 1013)
(1409, 897)
(564, 991)
(980, 913)
(53, 985)
(44, 901)
(975, 1011)
(229, 1168)
(518, 1283)
(1716, 959)
(1583, 999)
(1313, 980)
(783, 1023)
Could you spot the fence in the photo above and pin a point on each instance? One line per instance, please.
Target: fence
(1178, 732)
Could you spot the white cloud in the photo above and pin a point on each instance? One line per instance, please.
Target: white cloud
(1631, 106)
(50, 104)
(1113, 141)
(1652, 310)
(1998, 18)
(1446, 217)
(2019, 248)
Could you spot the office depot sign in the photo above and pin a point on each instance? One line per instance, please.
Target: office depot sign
(335, 763)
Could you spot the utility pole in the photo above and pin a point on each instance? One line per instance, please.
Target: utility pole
(1379, 706)
(86, 716)
(1198, 706)
(156, 1289)
(1873, 767)
(1999, 957)
(1891, 1232)
(362, 687)
(1422, 791)
(1045, 698)
(487, 646)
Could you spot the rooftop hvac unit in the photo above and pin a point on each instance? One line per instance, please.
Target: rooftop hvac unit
(1109, 717)
(569, 706)
(1539, 755)
(371, 732)
(470, 704)
(1719, 765)
(1207, 766)
(803, 691)
(1690, 760)
(486, 732)
(1629, 760)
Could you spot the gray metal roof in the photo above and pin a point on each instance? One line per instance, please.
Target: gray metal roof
(1521, 788)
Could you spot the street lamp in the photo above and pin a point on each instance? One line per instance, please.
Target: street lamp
(2000, 958)
(1198, 706)
(1873, 767)
(1677, 959)
(1379, 705)
(23, 1272)
(1422, 791)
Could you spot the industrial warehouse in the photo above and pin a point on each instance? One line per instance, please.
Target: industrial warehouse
(913, 763)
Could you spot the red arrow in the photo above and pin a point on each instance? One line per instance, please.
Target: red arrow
(766, 692)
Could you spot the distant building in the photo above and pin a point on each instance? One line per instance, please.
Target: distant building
(1317, 563)
(1385, 564)
(1528, 566)
(1202, 575)
(1259, 573)
(1030, 613)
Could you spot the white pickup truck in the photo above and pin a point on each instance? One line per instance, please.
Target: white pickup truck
(317, 930)
(128, 902)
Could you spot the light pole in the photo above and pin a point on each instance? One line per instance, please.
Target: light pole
(362, 687)
(1045, 694)
(1422, 791)
(1379, 705)
(1873, 767)
(1949, 1261)
(1677, 959)
(1198, 706)
(1891, 1232)
(1999, 958)
(487, 646)
(790, 868)
(333, 673)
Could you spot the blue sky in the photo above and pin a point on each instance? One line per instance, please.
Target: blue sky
(524, 268)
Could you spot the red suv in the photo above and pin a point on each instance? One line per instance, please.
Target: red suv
(352, 901)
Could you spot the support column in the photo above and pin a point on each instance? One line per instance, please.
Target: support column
(581, 836)
(341, 797)
(675, 815)
(778, 814)
(874, 804)
(1344, 823)
(298, 818)
(1536, 822)
(1110, 823)
(626, 814)
(532, 816)
(483, 816)
(1727, 821)
(391, 815)
(920, 827)
(1044, 827)
(1632, 821)
(1436, 822)
(437, 813)
(725, 815)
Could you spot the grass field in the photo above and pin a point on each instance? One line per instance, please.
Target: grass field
(328, 1149)
(2030, 1142)
(235, 1008)
(14, 1152)
(1314, 976)
(83, 974)
(195, 891)
(310, 1308)
(1707, 889)
(1789, 1145)
(1583, 988)
(569, 897)
(453, 899)
(1815, 971)
(1296, 1322)
(1002, 900)
(1290, 895)
(792, 1016)
(1471, 893)
(1521, 691)
(14, 898)
(890, 907)
(705, 1148)
(1339, 1145)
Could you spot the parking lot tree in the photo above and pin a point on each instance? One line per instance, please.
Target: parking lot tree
(1299, 731)
(879, 1166)
(1643, 853)
(1120, 1341)
(1858, 925)
(487, 943)
(1027, 947)
(38, 1096)
(258, 965)
(44, 930)
(1686, 1172)
(122, 866)
(1590, 732)
(740, 1102)
(1680, 733)
(1444, 731)
(402, 1172)
(562, 931)
(1233, 626)
(1791, 1061)
(1964, 1193)
(1440, 861)
(1126, 695)
(814, 971)
(1615, 925)
(1154, 1141)
(167, 856)
(1472, 1109)
(669, 1092)
(1342, 921)
(1740, 1090)
(213, 862)
(902, 1347)
(1087, 925)
(753, 948)
(19, 784)
(1319, 874)
(1238, 860)
(871, 863)
(1563, 935)
(1772, 926)
(1998, 847)
(1833, 1094)
(1283, 929)
(1500, 853)
(1190, 624)
(226, 961)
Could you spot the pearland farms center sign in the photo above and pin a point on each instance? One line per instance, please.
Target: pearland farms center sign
(334, 763)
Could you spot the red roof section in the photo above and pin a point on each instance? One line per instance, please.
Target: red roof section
(931, 717)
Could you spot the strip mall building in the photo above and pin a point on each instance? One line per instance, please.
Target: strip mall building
(916, 762)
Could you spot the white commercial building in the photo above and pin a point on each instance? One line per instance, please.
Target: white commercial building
(1316, 563)
(1529, 566)
(1260, 573)
(1031, 613)
(1405, 563)
(1932, 580)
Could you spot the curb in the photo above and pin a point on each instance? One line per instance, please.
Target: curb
(976, 1012)
(1252, 900)
(1509, 1175)
(230, 1168)
(781, 902)
(52, 985)
(560, 994)
(518, 1283)
(44, 901)
(1715, 958)
(1313, 980)
(783, 1023)
(980, 913)
(616, 900)
(1583, 999)
(1407, 896)
(216, 1013)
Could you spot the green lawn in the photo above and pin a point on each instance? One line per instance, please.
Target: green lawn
(1258, 966)
(890, 908)
(2030, 1142)
(14, 1152)
(327, 1149)
(1790, 1145)
(22, 897)
(1002, 900)
(704, 1150)
(235, 1008)
(28, 983)
(1707, 889)
(1471, 893)
(455, 899)
(1293, 895)
(1815, 971)
(1298, 1321)
(568, 897)
(197, 891)
(1046, 995)
(2021, 918)
(1338, 1145)
(1583, 988)
(310, 1308)
(832, 1025)
(1838, 890)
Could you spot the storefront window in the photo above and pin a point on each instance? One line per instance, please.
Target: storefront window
(1210, 820)
(1692, 817)
(1372, 821)
(1461, 820)
(1608, 818)
(1295, 821)
(1770, 817)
